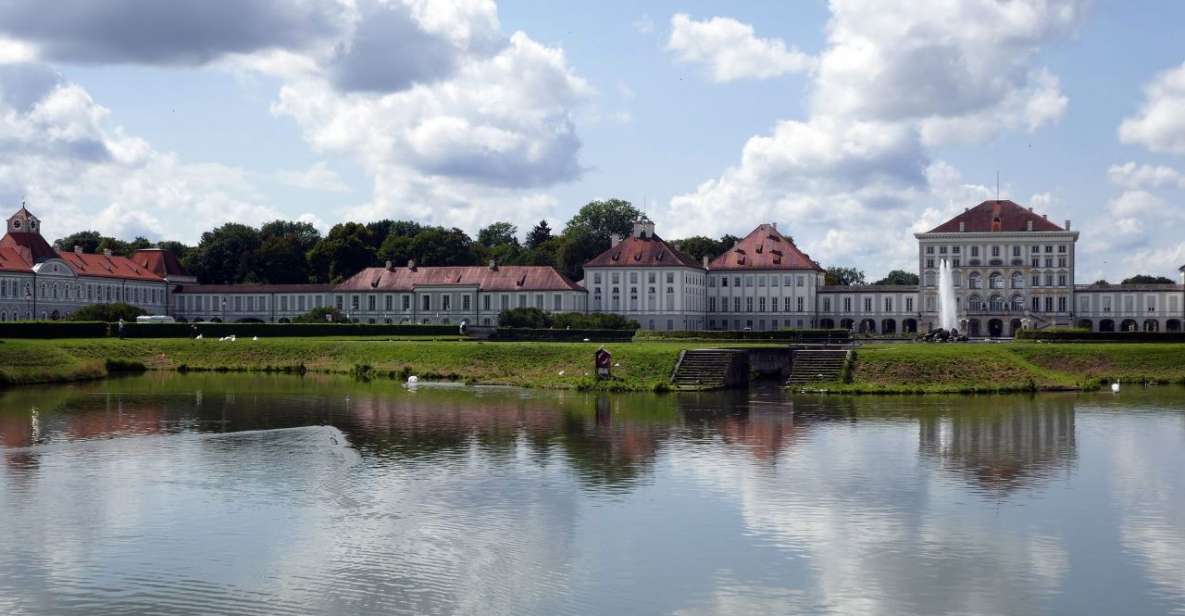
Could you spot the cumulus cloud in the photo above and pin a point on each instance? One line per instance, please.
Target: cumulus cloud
(1159, 125)
(1133, 176)
(78, 171)
(317, 177)
(893, 82)
(179, 32)
(730, 50)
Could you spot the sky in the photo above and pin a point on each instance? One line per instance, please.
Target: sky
(852, 124)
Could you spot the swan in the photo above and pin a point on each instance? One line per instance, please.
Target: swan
(1115, 387)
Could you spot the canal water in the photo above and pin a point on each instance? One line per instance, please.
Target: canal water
(234, 494)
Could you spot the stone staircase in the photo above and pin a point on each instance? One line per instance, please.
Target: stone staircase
(817, 366)
(710, 369)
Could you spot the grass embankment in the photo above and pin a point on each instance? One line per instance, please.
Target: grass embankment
(643, 366)
(1011, 367)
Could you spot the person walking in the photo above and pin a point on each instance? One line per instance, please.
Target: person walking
(119, 328)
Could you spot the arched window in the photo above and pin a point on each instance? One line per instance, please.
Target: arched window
(975, 303)
(997, 303)
(1017, 304)
(974, 281)
(1018, 280)
(996, 281)
(930, 279)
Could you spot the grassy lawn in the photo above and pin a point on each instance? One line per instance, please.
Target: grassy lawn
(1016, 366)
(643, 366)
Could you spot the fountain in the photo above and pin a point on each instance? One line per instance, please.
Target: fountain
(947, 306)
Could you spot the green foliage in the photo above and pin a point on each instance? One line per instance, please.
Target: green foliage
(576, 248)
(321, 314)
(1147, 279)
(817, 336)
(225, 255)
(697, 247)
(601, 219)
(524, 317)
(898, 277)
(843, 276)
(347, 249)
(179, 250)
(539, 234)
(498, 234)
(93, 242)
(440, 246)
(110, 313)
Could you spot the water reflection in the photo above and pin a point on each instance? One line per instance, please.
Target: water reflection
(253, 495)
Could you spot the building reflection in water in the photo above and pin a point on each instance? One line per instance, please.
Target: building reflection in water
(1002, 447)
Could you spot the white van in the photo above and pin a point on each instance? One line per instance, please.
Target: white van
(155, 318)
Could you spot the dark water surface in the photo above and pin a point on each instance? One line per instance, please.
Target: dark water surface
(231, 494)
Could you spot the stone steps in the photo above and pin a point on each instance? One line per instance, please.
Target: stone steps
(704, 369)
(816, 366)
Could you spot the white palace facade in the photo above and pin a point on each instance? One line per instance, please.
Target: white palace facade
(1011, 267)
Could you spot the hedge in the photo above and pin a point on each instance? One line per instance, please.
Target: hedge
(52, 329)
(1089, 336)
(563, 335)
(786, 335)
(96, 329)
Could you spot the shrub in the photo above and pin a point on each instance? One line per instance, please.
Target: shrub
(107, 312)
(322, 314)
(524, 317)
(599, 320)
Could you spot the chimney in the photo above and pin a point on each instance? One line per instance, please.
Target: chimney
(1029, 224)
(411, 264)
(705, 260)
(614, 239)
(774, 225)
(962, 226)
(106, 252)
(493, 265)
(388, 266)
(1067, 224)
(1045, 216)
(57, 245)
(78, 249)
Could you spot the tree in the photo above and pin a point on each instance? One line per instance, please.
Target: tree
(224, 255)
(498, 234)
(577, 247)
(900, 277)
(322, 314)
(88, 240)
(178, 249)
(697, 247)
(440, 246)
(601, 219)
(106, 312)
(539, 234)
(341, 254)
(843, 276)
(281, 257)
(1147, 279)
(524, 317)
(380, 230)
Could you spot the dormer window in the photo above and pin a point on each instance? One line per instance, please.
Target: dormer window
(996, 225)
(16, 224)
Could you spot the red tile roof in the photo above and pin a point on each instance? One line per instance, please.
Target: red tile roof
(764, 249)
(159, 261)
(30, 246)
(231, 289)
(982, 219)
(12, 261)
(501, 278)
(103, 266)
(649, 251)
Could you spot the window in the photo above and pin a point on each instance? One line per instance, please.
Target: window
(975, 251)
(748, 281)
(711, 304)
(1016, 251)
(1049, 249)
(465, 301)
(867, 304)
(634, 277)
(888, 304)
(370, 303)
(773, 281)
(1061, 304)
(1048, 304)
(596, 277)
(427, 302)
(801, 281)
(847, 304)
(1061, 280)
(1036, 261)
(1061, 261)
(909, 304)
(723, 281)
(651, 278)
(736, 304)
(388, 302)
(995, 251)
(406, 303)
(522, 300)
(761, 304)
(800, 304)
(485, 302)
(670, 277)
(1036, 280)
(1061, 248)
(539, 301)
(748, 304)
(826, 304)
(954, 250)
(929, 263)
(929, 250)
(942, 250)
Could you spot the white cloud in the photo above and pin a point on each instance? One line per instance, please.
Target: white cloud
(894, 81)
(730, 50)
(1133, 176)
(78, 171)
(317, 177)
(1160, 123)
(15, 52)
(643, 24)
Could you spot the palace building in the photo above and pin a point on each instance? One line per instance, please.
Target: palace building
(1011, 268)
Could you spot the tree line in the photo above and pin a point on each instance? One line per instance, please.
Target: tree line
(287, 252)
